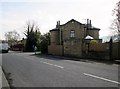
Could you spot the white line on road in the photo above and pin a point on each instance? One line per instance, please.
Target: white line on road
(52, 64)
(101, 78)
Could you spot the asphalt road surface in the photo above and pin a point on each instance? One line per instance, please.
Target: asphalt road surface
(29, 70)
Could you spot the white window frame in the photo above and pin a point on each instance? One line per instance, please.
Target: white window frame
(72, 33)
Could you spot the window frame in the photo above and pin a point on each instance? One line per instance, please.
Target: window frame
(72, 34)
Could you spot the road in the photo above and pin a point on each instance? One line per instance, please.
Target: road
(29, 70)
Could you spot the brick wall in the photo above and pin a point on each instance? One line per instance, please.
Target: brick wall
(116, 50)
(98, 47)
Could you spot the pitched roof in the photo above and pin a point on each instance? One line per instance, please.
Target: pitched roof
(72, 21)
(89, 37)
(55, 29)
(92, 28)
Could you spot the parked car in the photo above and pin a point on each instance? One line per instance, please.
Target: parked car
(4, 47)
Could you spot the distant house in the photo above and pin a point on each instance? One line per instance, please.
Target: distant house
(72, 38)
(18, 45)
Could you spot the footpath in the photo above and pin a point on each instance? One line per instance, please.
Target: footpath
(89, 60)
(3, 81)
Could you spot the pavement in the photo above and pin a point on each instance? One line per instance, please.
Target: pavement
(107, 61)
(29, 70)
(3, 80)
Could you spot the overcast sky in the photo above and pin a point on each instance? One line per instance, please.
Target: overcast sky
(15, 13)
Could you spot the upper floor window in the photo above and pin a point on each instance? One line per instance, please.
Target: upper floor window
(72, 33)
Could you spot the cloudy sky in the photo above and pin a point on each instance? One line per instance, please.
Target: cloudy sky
(14, 14)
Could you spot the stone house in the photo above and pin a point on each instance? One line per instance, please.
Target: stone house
(72, 38)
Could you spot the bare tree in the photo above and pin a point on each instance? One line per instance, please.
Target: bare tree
(116, 22)
(12, 36)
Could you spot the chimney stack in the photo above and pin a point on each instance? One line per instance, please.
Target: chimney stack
(89, 25)
(58, 24)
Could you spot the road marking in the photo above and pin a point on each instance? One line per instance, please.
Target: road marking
(47, 63)
(52, 64)
(101, 78)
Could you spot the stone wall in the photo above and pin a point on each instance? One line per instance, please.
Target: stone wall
(73, 46)
(55, 50)
(55, 37)
(94, 33)
(77, 27)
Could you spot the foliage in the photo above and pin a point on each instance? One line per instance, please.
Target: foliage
(93, 41)
(12, 37)
(33, 34)
(34, 38)
(45, 40)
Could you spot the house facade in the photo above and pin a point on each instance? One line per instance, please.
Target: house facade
(72, 38)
